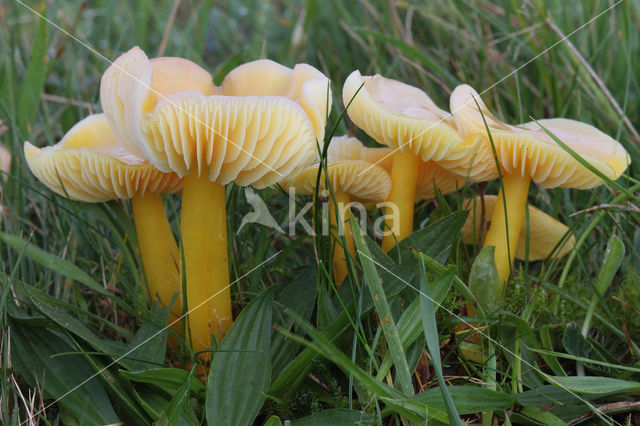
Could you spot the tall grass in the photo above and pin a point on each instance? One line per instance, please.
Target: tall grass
(73, 301)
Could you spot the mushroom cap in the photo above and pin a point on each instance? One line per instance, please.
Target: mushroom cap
(89, 164)
(527, 150)
(259, 126)
(403, 117)
(350, 148)
(362, 180)
(544, 231)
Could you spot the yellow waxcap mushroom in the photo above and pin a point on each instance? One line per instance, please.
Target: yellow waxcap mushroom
(89, 164)
(260, 126)
(545, 233)
(245, 131)
(350, 148)
(526, 153)
(351, 179)
(401, 116)
(406, 120)
(360, 179)
(133, 86)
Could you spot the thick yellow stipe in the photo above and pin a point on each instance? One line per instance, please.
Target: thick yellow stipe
(159, 253)
(340, 269)
(204, 237)
(404, 177)
(515, 192)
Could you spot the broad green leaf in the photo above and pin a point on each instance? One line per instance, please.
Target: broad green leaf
(148, 346)
(335, 417)
(544, 417)
(166, 378)
(435, 240)
(240, 372)
(467, 399)
(596, 385)
(484, 282)
(67, 379)
(180, 398)
(387, 322)
(583, 347)
(298, 295)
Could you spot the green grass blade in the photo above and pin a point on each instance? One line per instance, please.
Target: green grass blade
(52, 262)
(384, 312)
(430, 327)
(33, 82)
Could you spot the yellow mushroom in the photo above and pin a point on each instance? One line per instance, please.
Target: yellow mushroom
(351, 180)
(526, 153)
(545, 233)
(261, 125)
(406, 120)
(90, 164)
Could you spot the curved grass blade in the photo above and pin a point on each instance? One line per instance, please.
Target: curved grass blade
(384, 312)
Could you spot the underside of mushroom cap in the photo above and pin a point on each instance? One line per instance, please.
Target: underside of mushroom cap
(360, 179)
(303, 84)
(250, 140)
(528, 151)
(90, 165)
(431, 173)
(401, 117)
(231, 135)
(350, 148)
(545, 233)
(133, 85)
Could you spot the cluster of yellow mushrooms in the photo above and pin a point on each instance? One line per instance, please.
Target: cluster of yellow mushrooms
(167, 128)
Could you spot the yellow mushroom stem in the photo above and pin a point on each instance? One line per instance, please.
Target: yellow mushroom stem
(342, 199)
(515, 192)
(159, 252)
(203, 226)
(404, 178)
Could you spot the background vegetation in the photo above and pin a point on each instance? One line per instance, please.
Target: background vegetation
(73, 300)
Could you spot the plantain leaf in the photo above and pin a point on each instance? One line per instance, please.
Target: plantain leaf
(240, 372)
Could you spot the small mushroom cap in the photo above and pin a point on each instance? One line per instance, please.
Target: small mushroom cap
(361, 180)
(260, 126)
(403, 117)
(545, 233)
(5, 160)
(528, 151)
(350, 148)
(89, 164)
